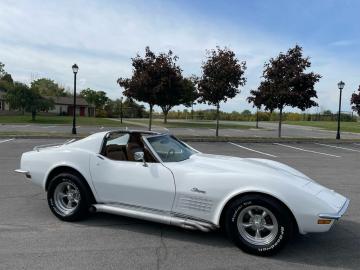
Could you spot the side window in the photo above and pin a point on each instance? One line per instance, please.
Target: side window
(118, 139)
(115, 147)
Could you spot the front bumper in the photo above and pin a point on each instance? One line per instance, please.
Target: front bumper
(339, 214)
(26, 173)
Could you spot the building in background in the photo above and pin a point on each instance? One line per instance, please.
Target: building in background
(62, 106)
(65, 106)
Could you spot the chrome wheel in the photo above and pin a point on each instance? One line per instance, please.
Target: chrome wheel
(257, 225)
(66, 197)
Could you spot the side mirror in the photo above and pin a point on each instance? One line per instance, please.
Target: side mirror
(139, 156)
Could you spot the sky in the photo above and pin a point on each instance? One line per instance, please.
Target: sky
(45, 38)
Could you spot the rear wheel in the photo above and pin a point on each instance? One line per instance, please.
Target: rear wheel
(258, 224)
(67, 197)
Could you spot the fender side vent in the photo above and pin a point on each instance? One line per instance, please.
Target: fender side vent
(194, 203)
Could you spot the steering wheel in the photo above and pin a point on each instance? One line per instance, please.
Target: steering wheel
(170, 152)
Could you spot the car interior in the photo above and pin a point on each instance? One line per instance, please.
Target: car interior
(122, 147)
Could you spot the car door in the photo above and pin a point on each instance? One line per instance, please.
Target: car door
(132, 183)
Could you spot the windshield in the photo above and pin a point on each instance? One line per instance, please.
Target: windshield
(169, 148)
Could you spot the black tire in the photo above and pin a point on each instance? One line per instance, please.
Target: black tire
(256, 234)
(77, 211)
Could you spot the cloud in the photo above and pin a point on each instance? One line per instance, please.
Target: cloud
(343, 43)
(44, 39)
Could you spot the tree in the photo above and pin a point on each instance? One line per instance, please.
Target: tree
(18, 96)
(145, 82)
(37, 103)
(327, 112)
(355, 102)
(89, 95)
(47, 87)
(2, 70)
(170, 82)
(7, 78)
(6, 85)
(179, 91)
(131, 109)
(100, 99)
(190, 93)
(6, 81)
(286, 83)
(96, 98)
(222, 74)
(110, 107)
(23, 98)
(257, 101)
(246, 112)
(174, 89)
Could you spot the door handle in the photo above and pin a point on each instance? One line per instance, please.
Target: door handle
(98, 162)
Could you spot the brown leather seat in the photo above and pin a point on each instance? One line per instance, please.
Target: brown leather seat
(116, 152)
(131, 149)
(134, 145)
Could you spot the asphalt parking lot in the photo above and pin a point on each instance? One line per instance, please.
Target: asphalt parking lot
(32, 238)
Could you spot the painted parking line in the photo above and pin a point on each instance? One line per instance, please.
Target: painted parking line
(6, 140)
(307, 150)
(211, 129)
(237, 130)
(48, 127)
(252, 150)
(339, 147)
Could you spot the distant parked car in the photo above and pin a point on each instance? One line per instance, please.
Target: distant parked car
(156, 177)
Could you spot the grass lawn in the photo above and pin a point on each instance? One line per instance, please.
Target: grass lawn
(329, 125)
(58, 120)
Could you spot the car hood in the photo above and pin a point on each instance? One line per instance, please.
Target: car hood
(225, 164)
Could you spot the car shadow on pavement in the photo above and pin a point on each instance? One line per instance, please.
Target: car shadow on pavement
(339, 248)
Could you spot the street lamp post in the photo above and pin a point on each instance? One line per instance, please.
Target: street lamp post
(341, 85)
(121, 109)
(75, 69)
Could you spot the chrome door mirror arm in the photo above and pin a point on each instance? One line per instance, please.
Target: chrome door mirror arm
(139, 156)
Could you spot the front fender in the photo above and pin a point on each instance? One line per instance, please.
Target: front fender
(241, 192)
(302, 202)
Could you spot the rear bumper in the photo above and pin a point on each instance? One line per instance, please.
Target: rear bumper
(339, 214)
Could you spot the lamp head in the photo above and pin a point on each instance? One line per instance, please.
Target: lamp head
(341, 85)
(75, 68)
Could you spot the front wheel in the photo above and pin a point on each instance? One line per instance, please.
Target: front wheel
(67, 197)
(257, 224)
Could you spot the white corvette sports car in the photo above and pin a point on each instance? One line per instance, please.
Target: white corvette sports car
(259, 203)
